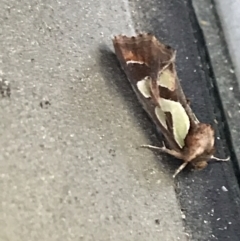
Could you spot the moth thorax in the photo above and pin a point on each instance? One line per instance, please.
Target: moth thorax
(199, 163)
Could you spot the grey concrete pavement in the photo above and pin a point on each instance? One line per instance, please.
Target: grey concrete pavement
(69, 168)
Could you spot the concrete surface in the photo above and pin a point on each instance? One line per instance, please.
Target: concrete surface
(69, 164)
(69, 167)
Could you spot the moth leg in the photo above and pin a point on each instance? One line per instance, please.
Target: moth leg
(180, 169)
(165, 150)
(170, 152)
(219, 159)
(155, 147)
(152, 147)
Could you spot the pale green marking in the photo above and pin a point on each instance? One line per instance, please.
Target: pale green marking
(161, 116)
(144, 87)
(181, 123)
(167, 80)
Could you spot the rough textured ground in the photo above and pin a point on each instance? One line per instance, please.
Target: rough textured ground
(69, 164)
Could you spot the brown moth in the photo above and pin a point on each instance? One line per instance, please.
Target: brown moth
(150, 68)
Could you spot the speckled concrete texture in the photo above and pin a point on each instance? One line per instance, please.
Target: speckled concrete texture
(69, 167)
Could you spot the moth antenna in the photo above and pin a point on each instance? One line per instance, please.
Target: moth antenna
(219, 159)
(180, 169)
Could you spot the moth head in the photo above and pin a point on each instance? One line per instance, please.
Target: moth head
(202, 146)
(201, 161)
(199, 165)
(199, 143)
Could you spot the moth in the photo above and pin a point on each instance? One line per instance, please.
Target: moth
(150, 68)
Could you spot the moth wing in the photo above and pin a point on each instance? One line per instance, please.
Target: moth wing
(150, 68)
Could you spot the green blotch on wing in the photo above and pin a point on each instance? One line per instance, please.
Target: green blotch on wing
(144, 87)
(161, 116)
(167, 80)
(181, 123)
